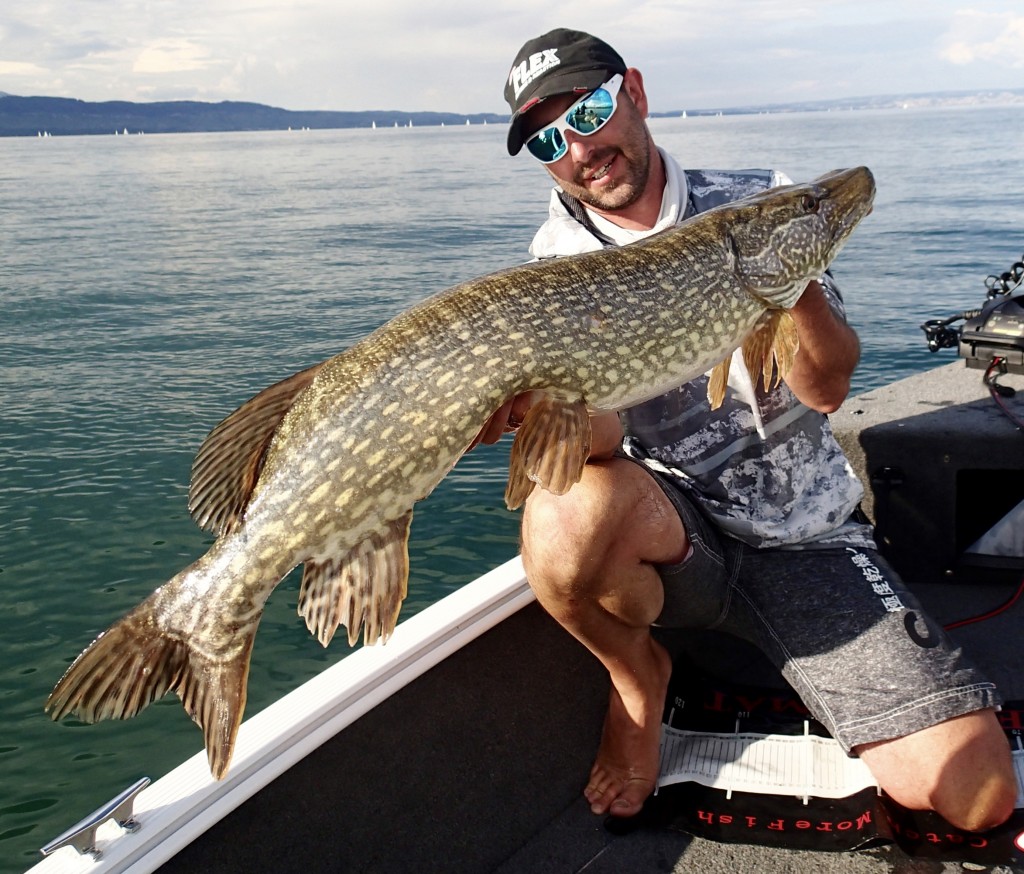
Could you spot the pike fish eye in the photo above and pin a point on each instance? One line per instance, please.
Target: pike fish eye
(809, 203)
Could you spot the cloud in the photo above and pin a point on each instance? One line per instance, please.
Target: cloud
(171, 56)
(985, 37)
(454, 54)
(20, 68)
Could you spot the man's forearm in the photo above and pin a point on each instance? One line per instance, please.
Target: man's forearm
(829, 352)
(605, 435)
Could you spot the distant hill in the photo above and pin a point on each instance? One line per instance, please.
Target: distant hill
(993, 97)
(61, 116)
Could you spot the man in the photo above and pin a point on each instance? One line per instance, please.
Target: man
(741, 519)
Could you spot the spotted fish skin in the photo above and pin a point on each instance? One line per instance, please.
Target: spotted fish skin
(323, 469)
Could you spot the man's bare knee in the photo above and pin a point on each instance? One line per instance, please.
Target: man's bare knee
(573, 529)
(557, 532)
(961, 769)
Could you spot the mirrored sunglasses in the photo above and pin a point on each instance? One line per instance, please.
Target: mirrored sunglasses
(586, 116)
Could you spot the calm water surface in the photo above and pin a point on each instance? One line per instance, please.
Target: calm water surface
(150, 284)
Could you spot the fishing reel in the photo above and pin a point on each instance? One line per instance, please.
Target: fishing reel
(992, 335)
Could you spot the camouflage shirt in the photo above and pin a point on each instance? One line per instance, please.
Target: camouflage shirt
(763, 466)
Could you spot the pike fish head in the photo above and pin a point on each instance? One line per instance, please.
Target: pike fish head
(786, 236)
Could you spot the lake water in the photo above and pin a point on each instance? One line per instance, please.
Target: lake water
(150, 284)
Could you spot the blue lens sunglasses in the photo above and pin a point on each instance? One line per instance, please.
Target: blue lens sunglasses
(586, 116)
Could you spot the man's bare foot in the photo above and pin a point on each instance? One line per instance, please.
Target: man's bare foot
(626, 769)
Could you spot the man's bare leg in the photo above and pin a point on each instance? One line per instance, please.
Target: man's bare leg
(960, 768)
(626, 768)
(588, 556)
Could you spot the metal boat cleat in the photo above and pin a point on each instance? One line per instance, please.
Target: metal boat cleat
(82, 835)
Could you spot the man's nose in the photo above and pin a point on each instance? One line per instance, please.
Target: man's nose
(580, 147)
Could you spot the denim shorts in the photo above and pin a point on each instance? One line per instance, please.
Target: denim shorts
(838, 622)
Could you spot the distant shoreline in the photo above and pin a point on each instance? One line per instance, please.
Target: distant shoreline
(62, 116)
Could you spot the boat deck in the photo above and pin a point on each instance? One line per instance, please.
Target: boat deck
(478, 765)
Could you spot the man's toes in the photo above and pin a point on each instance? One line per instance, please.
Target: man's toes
(600, 792)
(631, 797)
(617, 797)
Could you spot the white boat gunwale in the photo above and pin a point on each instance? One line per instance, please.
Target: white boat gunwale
(174, 810)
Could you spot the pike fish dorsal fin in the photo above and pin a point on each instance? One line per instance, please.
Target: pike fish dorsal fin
(717, 382)
(549, 450)
(230, 460)
(364, 587)
(771, 349)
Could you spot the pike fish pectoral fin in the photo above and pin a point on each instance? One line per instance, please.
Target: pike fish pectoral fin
(365, 587)
(718, 381)
(549, 450)
(134, 663)
(786, 342)
(771, 349)
(229, 462)
(768, 352)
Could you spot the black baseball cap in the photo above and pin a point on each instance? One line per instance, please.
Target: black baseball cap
(559, 62)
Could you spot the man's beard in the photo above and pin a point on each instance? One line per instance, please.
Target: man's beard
(635, 154)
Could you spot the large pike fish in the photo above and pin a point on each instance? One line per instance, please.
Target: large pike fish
(323, 468)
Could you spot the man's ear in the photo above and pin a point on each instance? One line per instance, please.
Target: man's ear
(633, 84)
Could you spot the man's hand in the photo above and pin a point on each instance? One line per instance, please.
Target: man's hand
(507, 419)
(606, 431)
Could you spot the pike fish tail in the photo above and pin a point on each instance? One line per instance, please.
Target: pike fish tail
(139, 659)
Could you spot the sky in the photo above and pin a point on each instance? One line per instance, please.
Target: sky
(454, 55)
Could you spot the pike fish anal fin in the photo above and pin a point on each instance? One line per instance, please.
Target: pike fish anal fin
(549, 450)
(229, 462)
(365, 588)
(768, 353)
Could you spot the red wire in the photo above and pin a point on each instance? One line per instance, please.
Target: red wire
(995, 612)
(1002, 405)
(990, 381)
